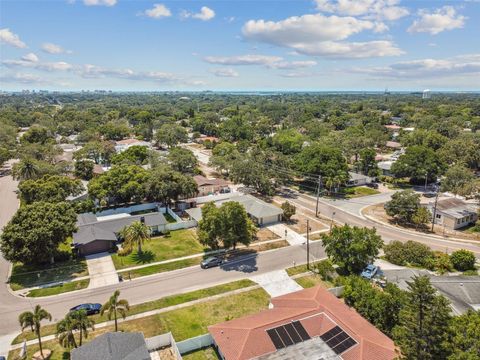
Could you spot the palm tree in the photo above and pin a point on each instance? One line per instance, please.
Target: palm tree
(82, 323)
(65, 332)
(26, 169)
(33, 320)
(114, 305)
(136, 233)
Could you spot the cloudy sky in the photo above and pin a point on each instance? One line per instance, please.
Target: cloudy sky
(240, 45)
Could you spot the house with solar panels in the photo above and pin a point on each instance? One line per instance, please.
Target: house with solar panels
(304, 325)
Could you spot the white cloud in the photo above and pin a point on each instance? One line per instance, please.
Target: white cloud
(54, 49)
(298, 74)
(444, 18)
(158, 11)
(463, 65)
(31, 57)
(205, 14)
(8, 37)
(100, 2)
(374, 9)
(243, 60)
(225, 72)
(21, 78)
(289, 65)
(321, 35)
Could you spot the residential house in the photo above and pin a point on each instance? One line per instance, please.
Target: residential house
(304, 325)
(393, 145)
(385, 167)
(454, 213)
(127, 346)
(356, 179)
(210, 186)
(99, 234)
(260, 212)
(123, 145)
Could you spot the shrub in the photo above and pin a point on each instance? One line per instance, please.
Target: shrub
(409, 253)
(124, 251)
(326, 270)
(442, 262)
(463, 260)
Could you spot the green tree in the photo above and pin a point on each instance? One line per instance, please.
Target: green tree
(65, 332)
(37, 134)
(352, 248)
(459, 180)
(114, 130)
(422, 333)
(288, 210)
(421, 217)
(33, 320)
(115, 306)
(26, 169)
(34, 233)
(463, 260)
(403, 206)
(465, 341)
(408, 253)
(288, 141)
(84, 169)
(171, 135)
(322, 160)
(209, 227)
(237, 228)
(5, 155)
(418, 163)
(182, 160)
(325, 269)
(82, 324)
(49, 188)
(136, 234)
(166, 185)
(134, 155)
(367, 163)
(223, 156)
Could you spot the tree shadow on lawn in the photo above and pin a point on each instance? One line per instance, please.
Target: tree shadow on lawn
(144, 257)
(242, 260)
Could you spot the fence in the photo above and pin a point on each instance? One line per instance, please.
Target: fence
(181, 225)
(160, 341)
(337, 291)
(128, 209)
(195, 343)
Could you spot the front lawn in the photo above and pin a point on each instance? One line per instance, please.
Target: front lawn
(177, 244)
(59, 289)
(359, 191)
(311, 281)
(155, 269)
(25, 276)
(208, 353)
(183, 323)
(152, 305)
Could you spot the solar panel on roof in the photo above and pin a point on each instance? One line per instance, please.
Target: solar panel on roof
(331, 333)
(343, 346)
(284, 336)
(275, 339)
(301, 330)
(293, 333)
(337, 339)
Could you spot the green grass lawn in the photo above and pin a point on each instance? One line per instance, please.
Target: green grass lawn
(311, 281)
(155, 269)
(59, 289)
(359, 191)
(208, 353)
(178, 244)
(300, 269)
(183, 323)
(24, 276)
(153, 305)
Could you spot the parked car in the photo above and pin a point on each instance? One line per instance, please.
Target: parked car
(373, 185)
(430, 194)
(91, 309)
(369, 272)
(211, 262)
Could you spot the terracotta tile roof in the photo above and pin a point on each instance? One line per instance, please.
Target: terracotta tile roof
(318, 311)
(393, 144)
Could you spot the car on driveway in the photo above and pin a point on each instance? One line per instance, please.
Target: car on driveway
(211, 262)
(91, 309)
(369, 272)
(430, 194)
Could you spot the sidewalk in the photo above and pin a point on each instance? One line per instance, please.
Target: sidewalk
(276, 283)
(292, 237)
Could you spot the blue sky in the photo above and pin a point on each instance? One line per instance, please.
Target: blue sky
(240, 45)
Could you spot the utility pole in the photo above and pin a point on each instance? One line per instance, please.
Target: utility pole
(426, 180)
(308, 245)
(318, 193)
(434, 211)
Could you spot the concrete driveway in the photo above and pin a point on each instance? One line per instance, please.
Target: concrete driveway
(101, 269)
(276, 283)
(292, 237)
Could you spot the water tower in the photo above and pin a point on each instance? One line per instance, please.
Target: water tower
(426, 94)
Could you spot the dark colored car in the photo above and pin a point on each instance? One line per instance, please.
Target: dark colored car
(430, 194)
(373, 185)
(91, 309)
(211, 262)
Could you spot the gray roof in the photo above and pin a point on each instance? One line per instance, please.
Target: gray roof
(90, 229)
(314, 348)
(356, 176)
(255, 207)
(455, 208)
(195, 213)
(113, 346)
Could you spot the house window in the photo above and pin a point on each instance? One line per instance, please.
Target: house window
(458, 221)
(439, 216)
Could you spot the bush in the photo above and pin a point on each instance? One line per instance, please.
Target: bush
(442, 262)
(463, 260)
(326, 270)
(124, 251)
(409, 253)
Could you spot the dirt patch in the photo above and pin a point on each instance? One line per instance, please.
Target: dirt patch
(265, 234)
(378, 212)
(298, 223)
